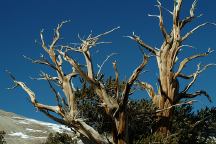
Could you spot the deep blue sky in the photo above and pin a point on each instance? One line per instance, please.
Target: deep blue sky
(21, 22)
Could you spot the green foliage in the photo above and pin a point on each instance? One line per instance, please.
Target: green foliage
(60, 138)
(193, 127)
(90, 105)
(141, 113)
(2, 135)
(187, 127)
(141, 118)
(91, 111)
(158, 139)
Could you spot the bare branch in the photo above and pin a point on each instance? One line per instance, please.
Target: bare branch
(179, 48)
(43, 42)
(13, 78)
(89, 65)
(196, 28)
(128, 85)
(138, 70)
(197, 93)
(42, 61)
(143, 44)
(149, 88)
(32, 96)
(80, 126)
(186, 60)
(116, 80)
(72, 74)
(86, 45)
(61, 121)
(192, 15)
(179, 104)
(88, 131)
(152, 15)
(101, 66)
(161, 24)
(55, 39)
(69, 48)
(99, 88)
(195, 75)
(57, 94)
(181, 75)
(132, 79)
(176, 10)
(56, 59)
(57, 35)
(77, 67)
(170, 12)
(105, 33)
(92, 41)
(45, 76)
(194, 4)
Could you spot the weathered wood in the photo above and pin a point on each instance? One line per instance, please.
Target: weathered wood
(168, 94)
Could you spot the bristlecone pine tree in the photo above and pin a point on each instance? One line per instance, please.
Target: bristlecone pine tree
(115, 103)
(169, 95)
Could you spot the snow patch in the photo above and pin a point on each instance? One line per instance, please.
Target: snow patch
(32, 130)
(19, 134)
(17, 118)
(24, 136)
(55, 127)
(23, 122)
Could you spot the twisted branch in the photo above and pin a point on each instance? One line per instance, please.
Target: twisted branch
(195, 29)
(188, 59)
(143, 44)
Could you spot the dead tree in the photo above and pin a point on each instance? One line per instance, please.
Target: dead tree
(68, 112)
(168, 93)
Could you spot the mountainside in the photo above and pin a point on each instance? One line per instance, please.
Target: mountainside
(22, 130)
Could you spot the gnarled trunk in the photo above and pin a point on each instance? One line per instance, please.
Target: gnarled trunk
(168, 95)
(169, 87)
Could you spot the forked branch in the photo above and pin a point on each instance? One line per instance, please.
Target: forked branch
(32, 96)
(143, 44)
(192, 15)
(176, 105)
(195, 75)
(195, 29)
(161, 23)
(186, 60)
(149, 88)
(197, 93)
(132, 79)
(42, 61)
(86, 45)
(116, 80)
(176, 11)
(103, 63)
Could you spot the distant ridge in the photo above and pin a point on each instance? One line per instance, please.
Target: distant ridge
(22, 130)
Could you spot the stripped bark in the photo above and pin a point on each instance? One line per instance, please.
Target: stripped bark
(67, 110)
(168, 94)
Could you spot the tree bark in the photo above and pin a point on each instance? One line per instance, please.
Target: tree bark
(168, 94)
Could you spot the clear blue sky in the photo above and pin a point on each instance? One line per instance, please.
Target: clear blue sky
(21, 22)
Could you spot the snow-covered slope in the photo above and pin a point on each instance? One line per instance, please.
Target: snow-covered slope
(21, 130)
